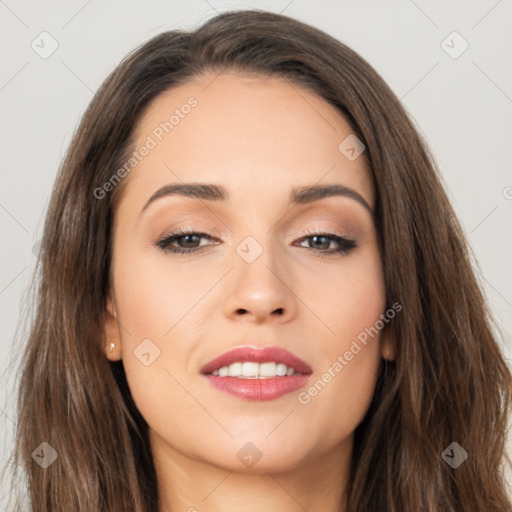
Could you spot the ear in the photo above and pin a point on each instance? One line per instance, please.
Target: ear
(112, 347)
(387, 344)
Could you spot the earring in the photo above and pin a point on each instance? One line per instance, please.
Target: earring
(112, 345)
(387, 359)
(115, 314)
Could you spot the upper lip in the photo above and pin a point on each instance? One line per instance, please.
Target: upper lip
(258, 355)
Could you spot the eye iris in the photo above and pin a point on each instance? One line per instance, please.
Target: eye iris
(324, 243)
(189, 237)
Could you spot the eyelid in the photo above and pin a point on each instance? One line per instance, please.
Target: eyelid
(315, 230)
(185, 230)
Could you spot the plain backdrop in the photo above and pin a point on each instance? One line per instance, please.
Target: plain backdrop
(449, 62)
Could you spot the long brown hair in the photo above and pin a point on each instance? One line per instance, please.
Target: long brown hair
(448, 383)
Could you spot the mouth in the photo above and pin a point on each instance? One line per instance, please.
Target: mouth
(257, 373)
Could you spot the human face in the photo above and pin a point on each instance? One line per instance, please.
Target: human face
(259, 139)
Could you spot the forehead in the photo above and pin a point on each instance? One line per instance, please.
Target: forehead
(248, 133)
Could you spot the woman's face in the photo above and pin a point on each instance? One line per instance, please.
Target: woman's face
(254, 276)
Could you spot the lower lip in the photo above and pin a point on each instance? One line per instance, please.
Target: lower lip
(258, 389)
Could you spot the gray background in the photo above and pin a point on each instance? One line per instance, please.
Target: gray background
(461, 105)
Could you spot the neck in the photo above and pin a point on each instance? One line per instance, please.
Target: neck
(315, 485)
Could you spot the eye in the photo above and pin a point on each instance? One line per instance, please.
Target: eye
(183, 241)
(324, 243)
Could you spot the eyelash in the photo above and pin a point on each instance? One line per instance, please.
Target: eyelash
(346, 244)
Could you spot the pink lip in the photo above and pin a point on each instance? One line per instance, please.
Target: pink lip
(258, 389)
(257, 355)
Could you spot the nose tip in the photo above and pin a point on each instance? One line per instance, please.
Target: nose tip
(257, 292)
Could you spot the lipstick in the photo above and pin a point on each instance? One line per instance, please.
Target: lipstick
(257, 373)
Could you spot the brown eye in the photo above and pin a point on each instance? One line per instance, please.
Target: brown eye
(182, 243)
(322, 242)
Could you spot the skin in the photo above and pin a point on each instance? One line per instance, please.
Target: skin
(258, 137)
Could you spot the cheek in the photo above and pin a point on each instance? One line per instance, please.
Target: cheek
(349, 303)
(155, 343)
(346, 296)
(155, 295)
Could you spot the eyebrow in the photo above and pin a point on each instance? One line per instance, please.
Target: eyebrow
(300, 195)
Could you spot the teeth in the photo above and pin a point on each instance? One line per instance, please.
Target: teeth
(235, 369)
(251, 370)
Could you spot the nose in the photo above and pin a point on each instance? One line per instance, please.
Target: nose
(260, 291)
